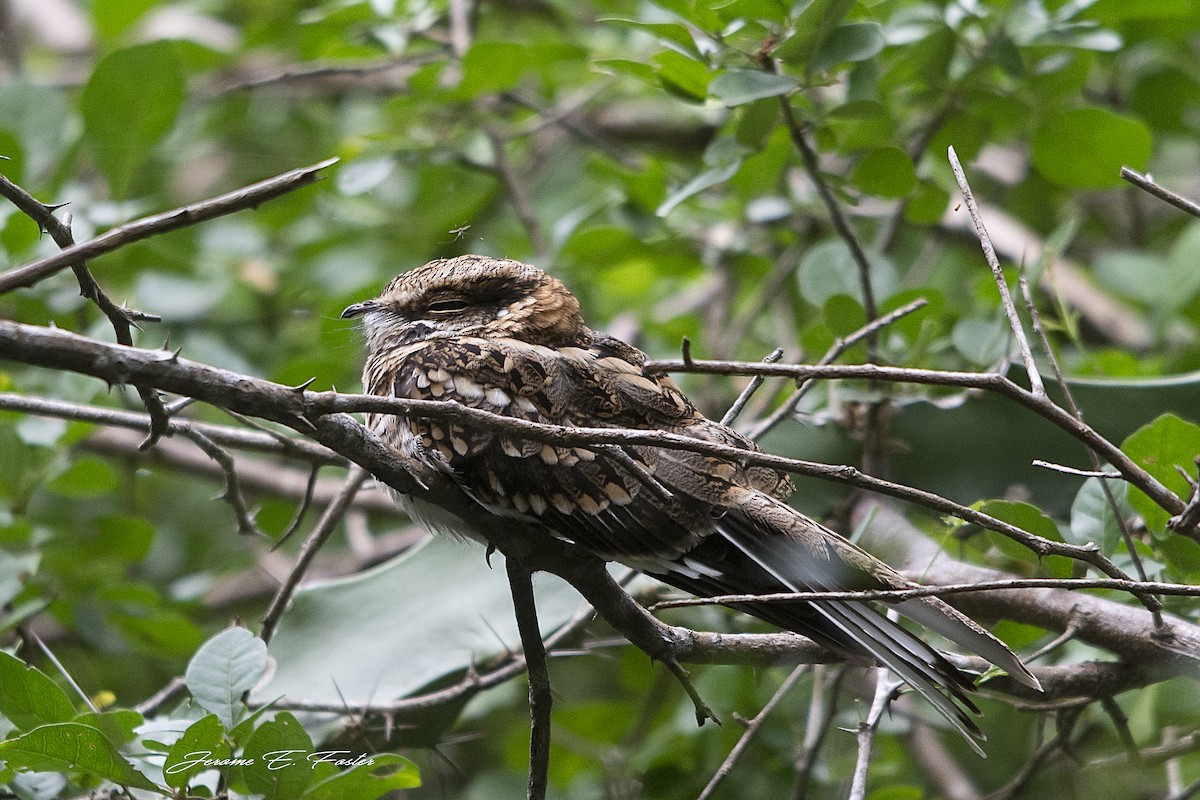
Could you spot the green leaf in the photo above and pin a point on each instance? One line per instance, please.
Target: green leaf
(124, 537)
(113, 17)
(86, 477)
(129, 104)
(813, 23)
(1085, 148)
(1025, 516)
(927, 204)
(203, 740)
(1158, 447)
(28, 697)
(224, 668)
(829, 268)
(736, 87)
(852, 41)
(670, 34)
(705, 180)
(380, 774)
(403, 626)
(843, 314)
(490, 67)
(69, 746)
(683, 76)
(280, 750)
(1093, 519)
(885, 171)
(118, 725)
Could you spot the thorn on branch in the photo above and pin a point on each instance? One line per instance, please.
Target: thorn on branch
(300, 387)
(1187, 522)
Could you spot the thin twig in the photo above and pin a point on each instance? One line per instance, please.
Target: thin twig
(751, 729)
(517, 195)
(989, 253)
(840, 224)
(233, 489)
(520, 582)
(1121, 722)
(185, 216)
(989, 382)
(750, 389)
(174, 687)
(900, 595)
(1110, 499)
(1147, 184)
(1083, 473)
(788, 407)
(122, 319)
(884, 689)
(225, 435)
(46, 651)
(301, 509)
(821, 711)
(321, 532)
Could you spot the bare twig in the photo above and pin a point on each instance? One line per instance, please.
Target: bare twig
(517, 194)
(1126, 535)
(185, 216)
(884, 689)
(301, 509)
(821, 711)
(520, 582)
(233, 489)
(321, 532)
(46, 651)
(750, 389)
(228, 436)
(1147, 184)
(123, 319)
(990, 382)
(813, 167)
(788, 407)
(900, 595)
(751, 729)
(989, 253)
(163, 696)
(1083, 473)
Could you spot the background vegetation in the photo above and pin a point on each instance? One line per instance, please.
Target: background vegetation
(650, 154)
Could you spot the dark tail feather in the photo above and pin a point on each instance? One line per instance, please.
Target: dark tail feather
(765, 546)
(918, 664)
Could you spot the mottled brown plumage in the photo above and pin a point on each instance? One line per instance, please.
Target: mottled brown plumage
(506, 337)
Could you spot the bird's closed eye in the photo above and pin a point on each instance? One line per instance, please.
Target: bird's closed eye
(448, 305)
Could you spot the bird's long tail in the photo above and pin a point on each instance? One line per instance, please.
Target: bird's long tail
(764, 546)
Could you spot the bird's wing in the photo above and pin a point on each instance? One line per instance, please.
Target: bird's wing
(643, 506)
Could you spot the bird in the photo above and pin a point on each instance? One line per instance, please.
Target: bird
(508, 338)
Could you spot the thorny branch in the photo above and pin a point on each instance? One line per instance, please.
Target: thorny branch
(123, 319)
(182, 217)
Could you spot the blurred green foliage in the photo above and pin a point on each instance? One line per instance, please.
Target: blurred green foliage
(639, 151)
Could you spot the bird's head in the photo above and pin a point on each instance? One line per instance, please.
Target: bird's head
(474, 296)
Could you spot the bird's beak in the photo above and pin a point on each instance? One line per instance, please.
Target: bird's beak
(358, 309)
